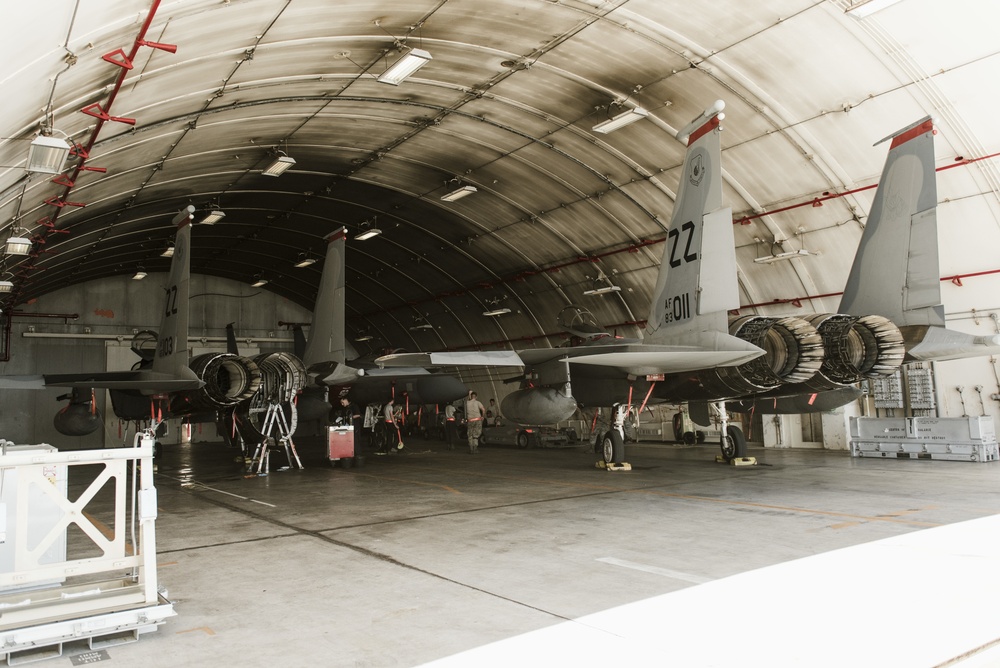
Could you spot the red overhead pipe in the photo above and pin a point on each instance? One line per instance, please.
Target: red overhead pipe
(102, 115)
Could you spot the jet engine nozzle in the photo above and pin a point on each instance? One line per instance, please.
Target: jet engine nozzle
(229, 379)
(857, 347)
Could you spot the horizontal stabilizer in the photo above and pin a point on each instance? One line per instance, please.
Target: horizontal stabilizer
(471, 358)
(143, 381)
(940, 344)
(22, 382)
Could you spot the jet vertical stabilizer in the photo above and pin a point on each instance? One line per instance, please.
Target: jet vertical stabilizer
(325, 353)
(898, 253)
(171, 356)
(899, 249)
(696, 286)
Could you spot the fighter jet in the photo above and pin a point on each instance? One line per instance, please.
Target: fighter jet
(811, 363)
(165, 383)
(325, 355)
(687, 330)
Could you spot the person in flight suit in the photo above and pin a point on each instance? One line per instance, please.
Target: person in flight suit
(475, 413)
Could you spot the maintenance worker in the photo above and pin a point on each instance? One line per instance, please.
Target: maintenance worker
(474, 414)
(450, 426)
(391, 427)
(350, 414)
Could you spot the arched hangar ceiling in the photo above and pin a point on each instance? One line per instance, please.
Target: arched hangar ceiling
(507, 104)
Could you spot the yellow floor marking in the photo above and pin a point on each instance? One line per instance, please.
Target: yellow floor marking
(207, 630)
(844, 525)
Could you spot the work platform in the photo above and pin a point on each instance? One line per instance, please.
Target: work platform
(433, 553)
(77, 550)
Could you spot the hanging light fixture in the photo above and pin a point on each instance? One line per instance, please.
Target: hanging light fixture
(169, 252)
(212, 217)
(47, 155)
(495, 308)
(604, 289)
(259, 281)
(139, 275)
(6, 286)
(280, 165)
(459, 193)
(304, 261)
(412, 61)
(621, 120)
(17, 245)
(368, 230)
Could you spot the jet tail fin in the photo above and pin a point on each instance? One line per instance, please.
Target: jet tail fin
(697, 284)
(171, 358)
(298, 341)
(326, 337)
(231, 345)
(898, 251)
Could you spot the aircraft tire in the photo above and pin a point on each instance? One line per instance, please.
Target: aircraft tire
(733, 443)
(678, 424)
(523, 440)
(359, 461)
(699, 437)
(689, 437)
(613, 447)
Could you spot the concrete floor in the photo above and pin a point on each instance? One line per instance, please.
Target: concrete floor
(431, 552)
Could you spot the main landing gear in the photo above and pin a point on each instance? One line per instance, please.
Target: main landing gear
(732, 441)
(612, 443)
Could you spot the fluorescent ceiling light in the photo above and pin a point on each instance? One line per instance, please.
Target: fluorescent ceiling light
(865, 8)
(213, 217)
(496, 312)
(603, 290)
(168, 253)
(281, 165)
(6, 286)
(768, 259)
(459, 193)
(305, 262)
(423, 325)
(363, 337)
(139, 275)
(47, 155)
(18, 246)
(368, 234)
(621, 120)
(259, 283)
(404, 67)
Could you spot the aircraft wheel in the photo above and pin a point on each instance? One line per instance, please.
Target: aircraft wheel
(346, 463)
(523, 441)
(689, 437)
(613, 447)
(359, 461)
(699, 437)
(733, 444)
(678, 424)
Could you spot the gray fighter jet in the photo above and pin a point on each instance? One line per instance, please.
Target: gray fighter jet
(694, 352)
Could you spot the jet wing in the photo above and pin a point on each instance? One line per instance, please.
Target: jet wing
(640, 358)
(110, 380)
(634, 357)
(471, 358)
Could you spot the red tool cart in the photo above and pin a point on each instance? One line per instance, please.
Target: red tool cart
(340, 444)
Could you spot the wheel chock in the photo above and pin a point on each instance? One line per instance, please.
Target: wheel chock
(738, 461)
(624, 466)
